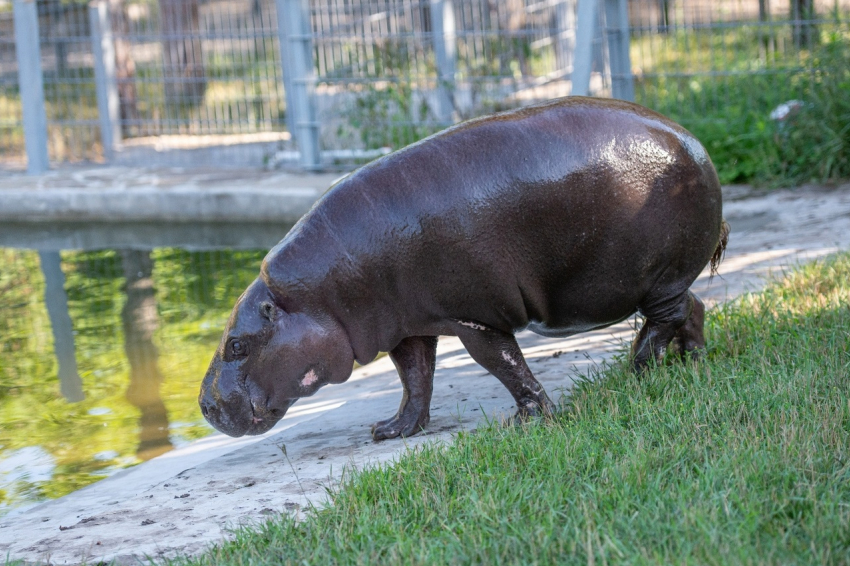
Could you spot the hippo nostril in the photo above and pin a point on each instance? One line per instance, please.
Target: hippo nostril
(207, 409)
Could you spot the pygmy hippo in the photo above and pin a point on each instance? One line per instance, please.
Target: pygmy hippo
(561, 217)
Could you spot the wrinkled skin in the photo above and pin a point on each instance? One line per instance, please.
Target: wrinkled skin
(261, 340)
(562, 218)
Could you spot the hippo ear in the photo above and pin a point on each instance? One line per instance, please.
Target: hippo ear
(268, 310)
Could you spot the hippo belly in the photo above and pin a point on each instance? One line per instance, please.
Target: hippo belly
(559, 259)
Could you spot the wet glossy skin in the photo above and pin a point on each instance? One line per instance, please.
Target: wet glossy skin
(561, 217)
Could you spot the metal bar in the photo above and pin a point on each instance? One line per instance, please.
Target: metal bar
(373, 37)
(286, 68)
(106, 85)
(586, 22)
(693, 26)
(564, 34)
(296, 57)
(443, 22)
(31, 85)
(617, 33)
(748, 73)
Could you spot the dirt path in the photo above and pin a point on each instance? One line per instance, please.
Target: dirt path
(189, 498)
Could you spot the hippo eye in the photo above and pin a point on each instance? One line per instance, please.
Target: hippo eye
(238, 348)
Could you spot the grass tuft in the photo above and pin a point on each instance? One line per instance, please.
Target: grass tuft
(743, 458)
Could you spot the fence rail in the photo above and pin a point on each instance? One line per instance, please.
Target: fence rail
(171, 82)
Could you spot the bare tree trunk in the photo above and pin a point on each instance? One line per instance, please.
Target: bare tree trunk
(185, 78)
(140, 320)
(804, 32)
(125, 67)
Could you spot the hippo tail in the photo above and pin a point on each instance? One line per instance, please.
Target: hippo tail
(720, 251)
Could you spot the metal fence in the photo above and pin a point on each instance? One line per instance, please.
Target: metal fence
(192, 82)
(682, 49)
(174, 74)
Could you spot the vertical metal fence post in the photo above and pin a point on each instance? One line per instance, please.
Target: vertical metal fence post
(565, 35)
(286, 69)
(617, 32)
(445, 53)
(106, 85)
(296, 52)
(587, 18)
(31, 85)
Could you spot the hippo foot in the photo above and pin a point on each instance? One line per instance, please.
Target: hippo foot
(532, 410)
(398, 426)
(688, 352)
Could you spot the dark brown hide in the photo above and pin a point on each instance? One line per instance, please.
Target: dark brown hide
(561, 217)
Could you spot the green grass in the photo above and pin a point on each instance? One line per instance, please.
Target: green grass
(743, 458)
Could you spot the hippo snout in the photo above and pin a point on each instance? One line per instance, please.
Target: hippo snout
(224, 400)
(235, 408)
(231, 416)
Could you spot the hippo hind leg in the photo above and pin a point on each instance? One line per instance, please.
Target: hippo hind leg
(414, 358)
(689, 341)
(499, 353)
(678, 321)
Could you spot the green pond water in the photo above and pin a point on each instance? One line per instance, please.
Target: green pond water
(101, 356)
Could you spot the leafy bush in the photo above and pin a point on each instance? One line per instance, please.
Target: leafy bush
(390, 117)
(815, 144)
(731, 116)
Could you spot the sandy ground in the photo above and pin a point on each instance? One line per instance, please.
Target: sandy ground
(185, 500)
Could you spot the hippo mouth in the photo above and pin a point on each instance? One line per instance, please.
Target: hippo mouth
(264, 420)
(260, 425)
(237, 407)
(236, 426)
(238, 418)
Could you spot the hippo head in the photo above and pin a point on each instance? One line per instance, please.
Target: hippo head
(267, 359)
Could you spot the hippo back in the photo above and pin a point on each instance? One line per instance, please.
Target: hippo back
(561, 215)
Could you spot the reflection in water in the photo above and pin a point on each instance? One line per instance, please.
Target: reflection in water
(174, 298)
(140, 321)
(24, 466)
(60, 321)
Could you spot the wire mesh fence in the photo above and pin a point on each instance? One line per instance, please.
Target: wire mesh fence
(186, 68)
(737, 73)
(11, 130)
(391, 65)
(188, 75)
(195, 76)
(689, 46)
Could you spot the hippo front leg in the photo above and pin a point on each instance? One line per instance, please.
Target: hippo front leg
(499, 353)
(414, 358)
